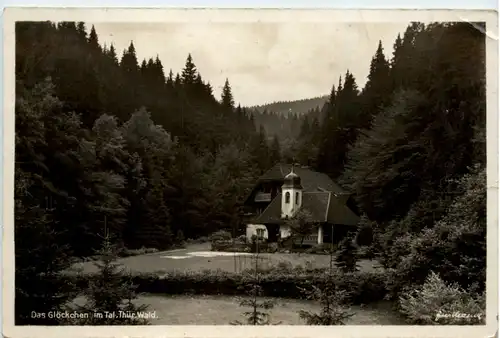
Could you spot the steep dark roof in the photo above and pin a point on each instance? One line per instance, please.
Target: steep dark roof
(311, 180)
(324, 207)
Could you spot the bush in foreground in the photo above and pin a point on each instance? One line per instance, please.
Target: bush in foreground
(436, 302)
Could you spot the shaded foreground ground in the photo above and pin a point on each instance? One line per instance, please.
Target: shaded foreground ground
(199, 257)
(222, 310)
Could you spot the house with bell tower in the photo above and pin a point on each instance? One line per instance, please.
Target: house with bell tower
(284, 190)
(291, 198)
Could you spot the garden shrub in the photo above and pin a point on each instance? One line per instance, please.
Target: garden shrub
(222, 245)
(284, 282)
(220, 235)
(366, 252)
(435, 302)
(321, 249)
(199, 240)
(272, 247)
(241, 239)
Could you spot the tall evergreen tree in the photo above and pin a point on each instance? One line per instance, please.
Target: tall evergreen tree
(93, 40)
(189, 71)
(227, 99)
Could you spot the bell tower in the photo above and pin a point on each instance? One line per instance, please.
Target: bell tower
(291, 195)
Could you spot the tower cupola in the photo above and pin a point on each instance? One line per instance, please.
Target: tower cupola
(292, 181)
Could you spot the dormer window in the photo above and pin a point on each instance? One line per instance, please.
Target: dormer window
(287, 197)
(296, 198)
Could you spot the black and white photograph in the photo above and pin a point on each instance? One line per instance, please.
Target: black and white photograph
(316, 170)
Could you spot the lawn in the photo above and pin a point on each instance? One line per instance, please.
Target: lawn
(199, 257)
(222, 310)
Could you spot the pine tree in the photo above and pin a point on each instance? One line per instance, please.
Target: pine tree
(111, 292)
(93, 40)
(158, 73)
(227, 99)
(81, 29)
(331, 299)
(40, 287)
(129, 62)
(257, 314)
(170, 80)
(340, 128)
(378, 85)
(189, 72)
(346, 257)
(112, 54)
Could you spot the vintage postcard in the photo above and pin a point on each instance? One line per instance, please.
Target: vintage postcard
(250, 172)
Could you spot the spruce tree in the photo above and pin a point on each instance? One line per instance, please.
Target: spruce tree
(346, 257)
(189, 72)
(112, 54)
(110, 293)
(227, 99)
(332, 300)
(378, 85)
(129, 62)
(93, 40)
(257, 314)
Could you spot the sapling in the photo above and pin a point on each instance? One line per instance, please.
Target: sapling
(257, 314)
(110, 292)
(330, 298)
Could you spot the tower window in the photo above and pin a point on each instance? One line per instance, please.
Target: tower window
(296, 198)
(287, 197)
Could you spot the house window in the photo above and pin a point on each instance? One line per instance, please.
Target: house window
(260, 233)
(296, 198)
(287, 197)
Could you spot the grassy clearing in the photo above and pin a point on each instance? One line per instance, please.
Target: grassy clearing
(182, 261)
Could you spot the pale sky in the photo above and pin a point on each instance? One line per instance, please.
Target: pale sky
(264, 62)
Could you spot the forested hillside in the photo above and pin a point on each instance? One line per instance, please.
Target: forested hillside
(411, 147)
(295, 107)
(125, 141)
(104, 138)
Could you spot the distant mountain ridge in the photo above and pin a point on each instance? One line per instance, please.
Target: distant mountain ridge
(297, 106)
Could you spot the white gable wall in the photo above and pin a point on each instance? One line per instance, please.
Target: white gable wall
(252, 230)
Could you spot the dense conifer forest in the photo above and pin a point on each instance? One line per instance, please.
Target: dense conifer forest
(105, 138)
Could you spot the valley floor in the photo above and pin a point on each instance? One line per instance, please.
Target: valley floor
(222, 310)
